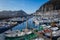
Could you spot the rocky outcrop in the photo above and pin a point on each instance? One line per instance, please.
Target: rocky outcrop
(52, 4)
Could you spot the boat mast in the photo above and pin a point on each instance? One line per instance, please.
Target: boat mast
(26, 27)
(26, 24)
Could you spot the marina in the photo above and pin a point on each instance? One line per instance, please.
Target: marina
(21, 31)
(41, 24)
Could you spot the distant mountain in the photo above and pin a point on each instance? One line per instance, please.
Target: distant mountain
(7, 14)
(21, 13)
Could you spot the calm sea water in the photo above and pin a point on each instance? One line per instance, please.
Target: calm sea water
(23, 25)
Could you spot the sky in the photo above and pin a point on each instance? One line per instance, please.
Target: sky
(29, 6)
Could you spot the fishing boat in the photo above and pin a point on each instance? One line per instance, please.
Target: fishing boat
(14, 35)
(20, 35)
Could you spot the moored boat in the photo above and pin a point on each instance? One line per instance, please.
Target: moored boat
(4, 26)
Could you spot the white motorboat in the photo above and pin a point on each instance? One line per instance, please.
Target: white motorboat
(54, 28)
(54, 33)
(14, 34)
